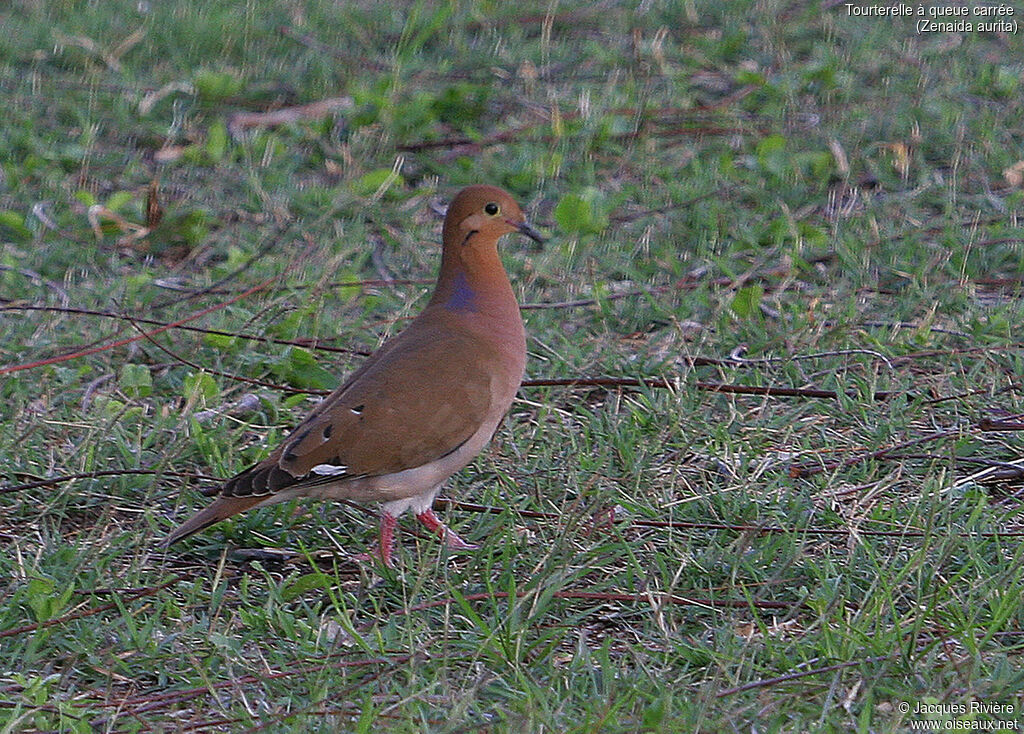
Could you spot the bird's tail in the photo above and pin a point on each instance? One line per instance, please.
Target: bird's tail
(220, 509)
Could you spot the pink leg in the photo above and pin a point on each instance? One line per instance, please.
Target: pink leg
(431, 523)
(388, 523)
(386, 543)
(603, 520)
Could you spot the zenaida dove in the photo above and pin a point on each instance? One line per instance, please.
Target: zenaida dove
(421, 406)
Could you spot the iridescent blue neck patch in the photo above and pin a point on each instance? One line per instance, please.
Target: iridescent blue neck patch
(463, 298)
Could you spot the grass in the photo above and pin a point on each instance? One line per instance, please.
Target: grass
(761, 196)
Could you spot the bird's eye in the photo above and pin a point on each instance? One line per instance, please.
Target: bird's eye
(492, 209)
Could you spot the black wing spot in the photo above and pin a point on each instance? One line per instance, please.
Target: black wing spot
(277, 479)
(290, 455)
(359, 408)
(328, 429)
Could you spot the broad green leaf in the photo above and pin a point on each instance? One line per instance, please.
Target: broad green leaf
(217, 141)
(13, 225)
(136, 381)
(200, 386)
(46, 598)
(370, 183)
(298, 368)
(118, 199)
(582, 213)
(747, 301)
(771, 155)
(212, 86)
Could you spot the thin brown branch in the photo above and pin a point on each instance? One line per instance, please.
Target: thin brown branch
(52, 481)
(241, 121)
(305, 343)
(686, 283)
(146, 703)
(756, 529)
(986, 424)
(219, 373)
(517, 135)
(121, 342)
(361, 61)
(633, 216)
(662, 382)
(797, 471)
(602, 596)
(1004, 470)
(266, 247)
(764, 683)
(148, 591)
(364, 283)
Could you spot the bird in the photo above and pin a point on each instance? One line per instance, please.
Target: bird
(419, 408)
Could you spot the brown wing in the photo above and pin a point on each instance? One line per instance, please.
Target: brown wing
(389, 416)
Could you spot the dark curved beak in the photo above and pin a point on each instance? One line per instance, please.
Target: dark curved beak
(525, 228)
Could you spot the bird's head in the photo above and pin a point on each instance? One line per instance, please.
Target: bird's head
(487, 213)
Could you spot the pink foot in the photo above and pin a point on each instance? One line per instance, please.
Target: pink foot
(386, 543)
(431, 523)
(604, 520)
